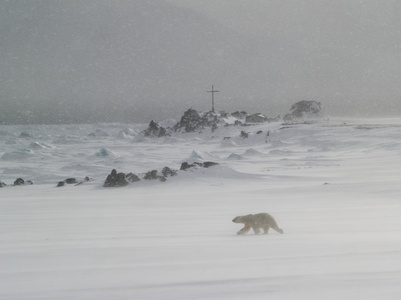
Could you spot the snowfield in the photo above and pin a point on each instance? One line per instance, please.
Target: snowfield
(332, 185)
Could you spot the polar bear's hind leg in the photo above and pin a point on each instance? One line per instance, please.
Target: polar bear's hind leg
(256, 229)
(266, 229)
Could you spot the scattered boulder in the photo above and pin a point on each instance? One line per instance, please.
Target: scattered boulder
(303, 109)
(120, 179)
(72, 181)
(25, 135)
(244, 135)
(20, 181)
(115, 179)
(2, 184)
(206, 164)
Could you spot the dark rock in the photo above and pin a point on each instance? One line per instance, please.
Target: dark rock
(152, 175)
(2, 184)
(303, 109)
(155, 130)
(259, 132)
(185, 166)
(191, 121)
(86, 178)
(223, 114)
(168, 172)
(208, 164)
(115, 179)
(25, 135)
(244, 135)
(60, 183)
(131, 177)
(70, 180)
(19, 181)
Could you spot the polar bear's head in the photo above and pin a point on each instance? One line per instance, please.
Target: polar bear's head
(238, 219)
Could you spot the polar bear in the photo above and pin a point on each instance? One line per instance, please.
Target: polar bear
(257, 221)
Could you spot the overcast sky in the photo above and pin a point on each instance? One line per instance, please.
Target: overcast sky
(102, 60)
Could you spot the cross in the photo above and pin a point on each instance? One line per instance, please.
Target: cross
(212, 91)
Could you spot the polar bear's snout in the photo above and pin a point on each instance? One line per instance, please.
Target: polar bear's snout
(235, 220)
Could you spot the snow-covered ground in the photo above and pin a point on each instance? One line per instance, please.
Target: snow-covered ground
(333, 186)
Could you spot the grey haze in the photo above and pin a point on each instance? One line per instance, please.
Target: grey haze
(133, 61)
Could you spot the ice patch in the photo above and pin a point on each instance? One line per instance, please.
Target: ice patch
(20, 154)
(98, 133)
(104, 152)
(67, 140)
(38, 145)
(234, 156)
(196, 155)
(252, 152)
(127, 133)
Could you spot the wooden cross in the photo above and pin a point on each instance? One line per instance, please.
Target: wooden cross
(212, 91)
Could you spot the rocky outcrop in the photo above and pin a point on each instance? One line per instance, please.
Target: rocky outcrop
(192, 121)
(154, 130)
(303, 109)
(115, 179)
(2, 184)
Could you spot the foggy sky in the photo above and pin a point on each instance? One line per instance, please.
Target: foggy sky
(133, 61)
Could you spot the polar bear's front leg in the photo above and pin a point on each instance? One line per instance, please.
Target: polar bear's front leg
(244, 230)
